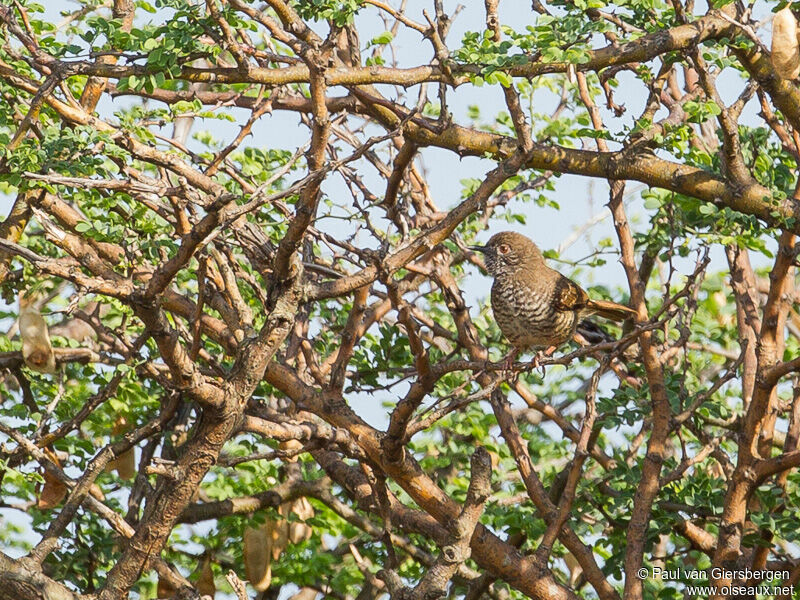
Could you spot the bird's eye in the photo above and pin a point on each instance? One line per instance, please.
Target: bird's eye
(503, 249)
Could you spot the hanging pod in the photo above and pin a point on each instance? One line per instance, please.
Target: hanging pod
(785, 50)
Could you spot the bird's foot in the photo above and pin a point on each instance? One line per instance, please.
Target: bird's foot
(508, 360)
(536, 361)
(534, 364)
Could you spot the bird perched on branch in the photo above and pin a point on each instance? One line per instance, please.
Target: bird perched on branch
(536, 307)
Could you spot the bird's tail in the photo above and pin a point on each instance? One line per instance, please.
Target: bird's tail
(610, 310)
(593, 333)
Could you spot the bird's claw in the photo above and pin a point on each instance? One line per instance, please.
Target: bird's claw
(536, 362)
(508, 360)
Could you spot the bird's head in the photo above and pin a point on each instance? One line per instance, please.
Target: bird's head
(507, 252)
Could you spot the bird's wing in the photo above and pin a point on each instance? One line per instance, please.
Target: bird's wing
(568, 295)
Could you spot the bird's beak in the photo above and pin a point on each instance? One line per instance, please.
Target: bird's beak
(483, 249)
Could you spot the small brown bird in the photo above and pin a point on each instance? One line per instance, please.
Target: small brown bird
(535, 306)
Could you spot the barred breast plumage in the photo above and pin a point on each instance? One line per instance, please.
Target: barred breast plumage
(527, 315)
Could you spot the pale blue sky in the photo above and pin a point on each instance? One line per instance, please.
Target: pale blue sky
(580, 198)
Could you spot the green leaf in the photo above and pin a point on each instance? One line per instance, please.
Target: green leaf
(384, 38)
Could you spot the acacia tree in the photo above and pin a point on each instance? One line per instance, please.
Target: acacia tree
(218, 314)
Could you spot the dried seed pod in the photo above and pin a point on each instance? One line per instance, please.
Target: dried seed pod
(37, 351)
(305, 594)
(79, 330)
(205, 578)
(495, 458)
(299, 531)
(258, 556)
(575, 570)
(97, 493)
(10, 382)
(279, 532)
(715, 470)
(125, 463)
(53, 490)
(165, 589)
(291, 446)
(303, 509)
(785, 51)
